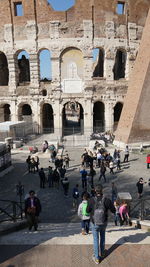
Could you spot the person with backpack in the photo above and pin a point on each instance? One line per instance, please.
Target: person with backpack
(98, 208)
(84, 215)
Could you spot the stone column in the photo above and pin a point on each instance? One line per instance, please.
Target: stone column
(109, 65)
(55, 69)
(127, 68)
(34, 71)
(88, 112)
(1, 114)
(57, 109)
(36, 116)
(109, 116)
(12, 74)
(14, 110)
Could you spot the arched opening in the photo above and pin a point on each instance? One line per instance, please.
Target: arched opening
(73, 119)
(120, 64)
(45, 65)
(7, 112)
(24, 67)
(47, 119)
(117, 113)
(98, 58)
(98, 117)
(4, 72)
(25, 113)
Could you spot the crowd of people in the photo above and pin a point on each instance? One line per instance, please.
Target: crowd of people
(88, 200)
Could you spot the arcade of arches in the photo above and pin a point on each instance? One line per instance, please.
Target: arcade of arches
(74, 117)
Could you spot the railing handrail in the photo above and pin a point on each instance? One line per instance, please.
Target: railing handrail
(141, 203)
(13, 214)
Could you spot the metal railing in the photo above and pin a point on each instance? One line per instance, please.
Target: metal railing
(11, 210)
(141, 209)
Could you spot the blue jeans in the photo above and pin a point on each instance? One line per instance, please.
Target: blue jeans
(99, 239)
(85, 224)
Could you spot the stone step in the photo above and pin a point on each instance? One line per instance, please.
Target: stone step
(70, 234)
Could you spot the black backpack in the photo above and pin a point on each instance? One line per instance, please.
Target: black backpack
(99, 212)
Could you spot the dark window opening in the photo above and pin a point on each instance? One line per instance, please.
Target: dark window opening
(18, 7)
(26, 110)
(47, 119)
(98, 117)
(99, 68)
(44, 92)
(7, 116)
(120, 8)
(4, 72)
(119, 67)
(117, 113)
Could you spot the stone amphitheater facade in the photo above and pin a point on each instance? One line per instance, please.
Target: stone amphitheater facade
(92, 90)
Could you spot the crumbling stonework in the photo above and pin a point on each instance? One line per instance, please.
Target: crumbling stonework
(70, 36)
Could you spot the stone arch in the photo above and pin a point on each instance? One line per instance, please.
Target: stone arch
(25, 112)
(73, 118)
(71, 69)
(98, 66)
(120, 64)
(4, 72)
(47, 118)
(98, 117)
(45, 65)
(23, 66)
(117, 113)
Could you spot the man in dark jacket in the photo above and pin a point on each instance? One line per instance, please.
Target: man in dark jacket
(32, 210)
(98, 207)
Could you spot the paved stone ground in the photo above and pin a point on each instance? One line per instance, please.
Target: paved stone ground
(58, 209)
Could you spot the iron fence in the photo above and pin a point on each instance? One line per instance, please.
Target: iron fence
(141, 209)
(11, 210)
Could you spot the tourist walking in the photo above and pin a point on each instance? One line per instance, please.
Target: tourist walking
(32, 210)
(139, 185)
(75, 195)
(114, 192)
(84, 215)
(102, 171)
(28, 161)
(42, 178)
(50, 176)
(98, 208)
(65, 184)
(84, 177)
(126, 154)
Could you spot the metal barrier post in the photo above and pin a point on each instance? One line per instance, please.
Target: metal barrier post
(14, 211)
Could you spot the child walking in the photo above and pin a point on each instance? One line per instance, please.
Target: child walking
(85, 217)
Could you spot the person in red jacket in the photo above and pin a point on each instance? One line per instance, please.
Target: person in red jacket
(148, 160)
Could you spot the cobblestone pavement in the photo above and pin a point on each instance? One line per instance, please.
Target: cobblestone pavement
(56, 209)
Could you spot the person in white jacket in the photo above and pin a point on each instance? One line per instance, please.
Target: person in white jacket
(85, 217)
